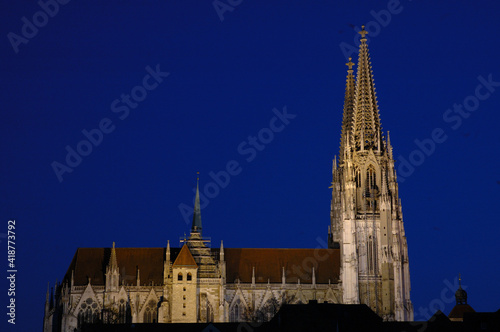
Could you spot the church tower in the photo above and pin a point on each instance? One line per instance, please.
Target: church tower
(366, 215)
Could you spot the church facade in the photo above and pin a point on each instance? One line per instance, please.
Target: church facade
(366, 260)
(366, 214)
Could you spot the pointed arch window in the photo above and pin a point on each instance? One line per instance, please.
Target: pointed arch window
(89, 312)
(189, 276)
(371, 178)
(123, 312)
(210, 313)
(179, 276)
(235, 313)
(371, 188)
(150, 312)
(372, 255)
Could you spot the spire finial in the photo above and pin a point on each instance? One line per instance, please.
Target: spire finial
(350, 64)
(459, 280)
(363, 33)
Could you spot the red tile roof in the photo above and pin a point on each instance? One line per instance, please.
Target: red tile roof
(91, 263)
(269, 263)
(185, 258)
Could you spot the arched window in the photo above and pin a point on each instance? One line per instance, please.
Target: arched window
(122, 312)
(189, 276)
(179, 277)
(371, 178)
(372, 255)
(150, 312)
(235, 313)
(371, 192)
(210, 314)
(89, 312)
(89, 315)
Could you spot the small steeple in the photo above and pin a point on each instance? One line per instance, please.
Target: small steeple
(113, 264)
(196, 228)
(461, 308)
(313, 277)
(253, 276)
(168, 252)
(283, 277)
(221, 250)
(167, 263)
(389, 146)
(460, 294)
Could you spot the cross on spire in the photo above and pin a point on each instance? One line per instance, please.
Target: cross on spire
(350, 64)
(363, 32)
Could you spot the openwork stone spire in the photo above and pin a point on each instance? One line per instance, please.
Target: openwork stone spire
(366, 218)
(348, 117)
(367, 128)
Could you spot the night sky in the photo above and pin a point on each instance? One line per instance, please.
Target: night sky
(218, 84)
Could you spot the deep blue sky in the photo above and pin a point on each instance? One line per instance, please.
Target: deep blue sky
(225, 79)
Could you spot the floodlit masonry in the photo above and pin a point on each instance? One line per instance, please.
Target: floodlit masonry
(366, 260)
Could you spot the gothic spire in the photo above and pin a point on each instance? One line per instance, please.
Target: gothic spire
(196, 228)
(348, 117)
(367, 128)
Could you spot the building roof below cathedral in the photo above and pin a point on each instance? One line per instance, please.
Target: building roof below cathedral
(90, 264)
(269, 264)
(185, 258)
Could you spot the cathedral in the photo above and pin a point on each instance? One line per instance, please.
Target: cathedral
(366, 261)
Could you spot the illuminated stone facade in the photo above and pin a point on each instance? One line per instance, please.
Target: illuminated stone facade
(366, 260)
(194, 283)
(366, 215)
